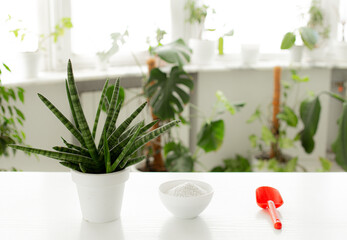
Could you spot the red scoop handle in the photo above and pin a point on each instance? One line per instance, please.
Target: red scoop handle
(274, 216)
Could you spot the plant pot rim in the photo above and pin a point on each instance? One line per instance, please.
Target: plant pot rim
(99, 174)
(100, 180)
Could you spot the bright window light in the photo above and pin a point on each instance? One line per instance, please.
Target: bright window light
(94, 21)
(263, 22)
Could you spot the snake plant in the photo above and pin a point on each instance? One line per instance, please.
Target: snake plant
(117, 147)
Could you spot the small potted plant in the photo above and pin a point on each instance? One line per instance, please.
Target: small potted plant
(309, 38)
(313, 36)
(203, 49)
(99, 169)
(118, 39)
(29, 61)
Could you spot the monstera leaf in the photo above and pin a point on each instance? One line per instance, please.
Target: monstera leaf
(309, 113)
(177, 52)
(168, 94)
(211, 135)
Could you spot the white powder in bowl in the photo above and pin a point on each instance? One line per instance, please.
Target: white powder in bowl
(186, 189)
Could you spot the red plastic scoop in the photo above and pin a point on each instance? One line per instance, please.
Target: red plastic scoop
(270, 198)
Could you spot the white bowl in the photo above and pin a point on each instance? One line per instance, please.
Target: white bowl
(185, 207)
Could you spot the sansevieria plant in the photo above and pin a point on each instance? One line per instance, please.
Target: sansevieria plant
(117, 147)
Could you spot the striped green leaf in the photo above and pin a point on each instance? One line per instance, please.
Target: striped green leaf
(69, 150)
(126, 148)
(132, 161)
(84, 151)
(81, 119)
(68, 157)
(116, 134)
(107, 156)
(70, 104)
(110, 112)
(112, 126)
(63, 119)
(97, 116)
(151, 135)
(71, 165)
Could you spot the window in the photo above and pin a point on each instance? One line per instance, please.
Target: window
(94, 21)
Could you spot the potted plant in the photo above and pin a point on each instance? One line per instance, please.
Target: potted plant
(309, 38)
(203, 49)
(275, 139)
(11, 117)
(313, 36)
(118, 39)
(29, 61)
(209, 138)
(99, 169)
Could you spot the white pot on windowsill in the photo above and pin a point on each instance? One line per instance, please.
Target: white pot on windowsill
(249, 53)
(28, 64)
(296, 53)
(204, 51)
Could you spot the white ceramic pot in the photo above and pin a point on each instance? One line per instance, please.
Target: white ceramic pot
(204, 51)
(28, 64)
(250, 53)
(296, 53)
(100, 195)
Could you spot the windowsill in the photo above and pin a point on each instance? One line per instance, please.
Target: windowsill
(220, 64)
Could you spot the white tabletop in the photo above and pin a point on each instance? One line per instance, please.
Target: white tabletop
(45, 206)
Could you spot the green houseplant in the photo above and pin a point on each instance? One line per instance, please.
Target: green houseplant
(274, 139)
(101, 166)
(11, 117)
(203, 49)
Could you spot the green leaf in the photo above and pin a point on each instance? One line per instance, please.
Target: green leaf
(325, 163)
(253, 139)
(288, 115)
(126, 149)
(7, 68)
(178, 158)
(107, 155)
(151, 135)
(82, 122)
(20, 94)
(298, 79)
(133, 161)
(309, 36)
(309, 113)
(238, 164)
(110, 112)
(267, 136)
(256, 115)
(288, 40)
(118, 132)
(339, 146)
(291, 165)
(72, 158)
(177, 52)
(232, 108)
(211, 135)
(19, 113)
(109, 91)
(96, 120)
(168, 94)
(285, 142)
(63, 119)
